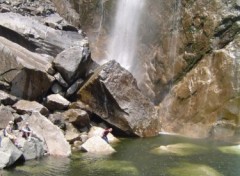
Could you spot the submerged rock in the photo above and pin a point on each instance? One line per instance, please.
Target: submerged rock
(112, 93)
(181, 149)
(193, 169)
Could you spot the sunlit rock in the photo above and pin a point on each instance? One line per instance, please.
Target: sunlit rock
(9, 153)
(7, 99)
(56, 102)
(112, 93)
(27, 72)
(24, 106)
(193, 169)
(53, 136)
(98, 131)
(78, 117)
(32, 149)
(181, 149)
(6, 115)
(72, 64)
(71, 133)
(96, 145)
(206, 96)
(60, 80)
(36, 36)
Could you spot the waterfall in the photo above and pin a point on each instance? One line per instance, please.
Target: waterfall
(123, 40)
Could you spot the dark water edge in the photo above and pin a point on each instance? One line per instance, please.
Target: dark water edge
(137, 157)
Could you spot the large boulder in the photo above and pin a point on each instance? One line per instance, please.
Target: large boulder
(6, 115)
(9, 153)
(51, 134)
(56, 102)
(27, 72)
(77, 117)
(72, 63)
(71, 133)
(96, 145)
(36, 36)
(32, 149)
(24, 106)
(112, 93)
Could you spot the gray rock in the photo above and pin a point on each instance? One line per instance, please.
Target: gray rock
(71, 134)
(74, 88)
(51, 134)
(97, 145)
(70, 64)
(56, 102)
(7, 99)
(56, 88)
(24, 106)
(58, 120)
(24, 70)
(98, 131)
(9, 153)
(4, 85)
(113, 95)
(6, 115)
(60, 79)
(32, 149)
(78, 117)
(65, 9)
(38, 37)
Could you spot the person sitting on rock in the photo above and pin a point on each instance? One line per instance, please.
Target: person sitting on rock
(26, 132)
(8, 132)
(105, 133)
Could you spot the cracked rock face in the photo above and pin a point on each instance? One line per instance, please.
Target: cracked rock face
(189, 61)
(111, 93)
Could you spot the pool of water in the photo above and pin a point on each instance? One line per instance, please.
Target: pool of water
(143, 157)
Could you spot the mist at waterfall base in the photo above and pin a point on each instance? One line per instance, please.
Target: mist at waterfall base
(135, 157)
(124, 36)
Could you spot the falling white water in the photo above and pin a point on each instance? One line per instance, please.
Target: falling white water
(122, 45)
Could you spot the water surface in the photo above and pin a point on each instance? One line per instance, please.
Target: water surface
(142, 157)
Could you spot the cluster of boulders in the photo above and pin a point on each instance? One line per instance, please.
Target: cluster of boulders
(48, 79)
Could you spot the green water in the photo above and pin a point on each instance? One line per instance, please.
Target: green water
(142, 157)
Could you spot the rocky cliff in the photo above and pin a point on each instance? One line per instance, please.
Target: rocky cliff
(188, 61)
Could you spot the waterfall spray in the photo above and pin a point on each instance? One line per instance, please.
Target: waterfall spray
(122, 46)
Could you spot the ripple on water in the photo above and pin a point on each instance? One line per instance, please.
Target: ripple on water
(49, 166)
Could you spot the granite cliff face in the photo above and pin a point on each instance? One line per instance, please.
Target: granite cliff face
(188, 61)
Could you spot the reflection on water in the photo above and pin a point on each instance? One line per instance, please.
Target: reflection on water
(142, 157)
